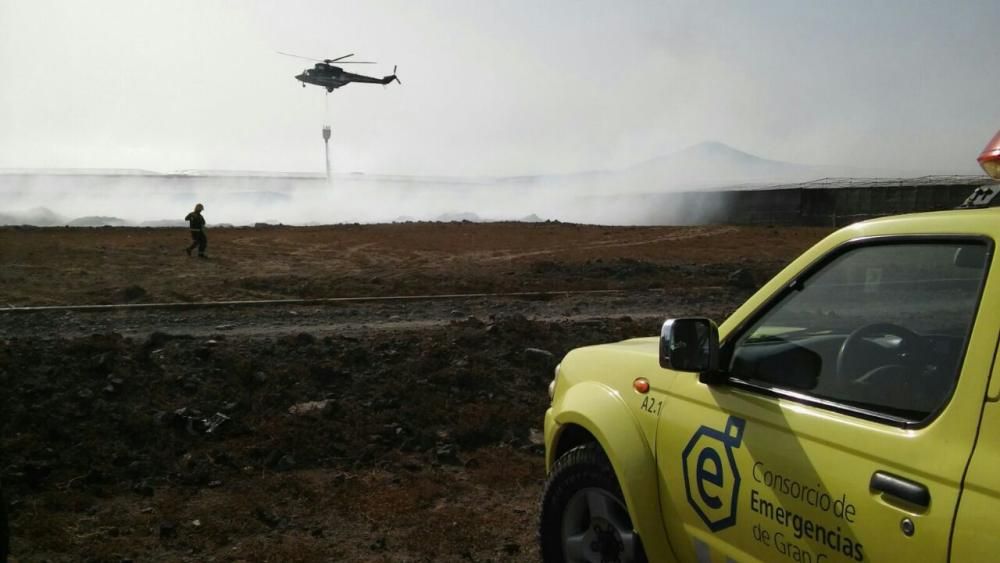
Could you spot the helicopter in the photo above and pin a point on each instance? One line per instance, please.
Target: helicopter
(331, 77)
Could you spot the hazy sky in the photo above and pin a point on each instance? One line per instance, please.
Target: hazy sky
(496, 87)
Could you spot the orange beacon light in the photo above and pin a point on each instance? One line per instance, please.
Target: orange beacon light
(990, 157)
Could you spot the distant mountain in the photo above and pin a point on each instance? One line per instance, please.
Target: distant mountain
(706, 165)
(713, 162)
(717, 164)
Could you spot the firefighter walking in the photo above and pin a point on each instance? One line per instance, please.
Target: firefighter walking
(197, 225)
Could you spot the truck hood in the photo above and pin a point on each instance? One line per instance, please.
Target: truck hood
(615, 364)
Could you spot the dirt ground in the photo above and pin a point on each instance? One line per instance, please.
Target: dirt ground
(402, 429)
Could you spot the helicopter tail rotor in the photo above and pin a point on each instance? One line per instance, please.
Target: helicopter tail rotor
(394, 77)
(388, 79)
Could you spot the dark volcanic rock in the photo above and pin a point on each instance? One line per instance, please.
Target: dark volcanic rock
(129, 410)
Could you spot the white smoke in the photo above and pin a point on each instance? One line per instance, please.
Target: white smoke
(155, 200)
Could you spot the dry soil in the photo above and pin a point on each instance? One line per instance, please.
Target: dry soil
(311, 430)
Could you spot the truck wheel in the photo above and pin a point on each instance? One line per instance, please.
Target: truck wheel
(583, 514)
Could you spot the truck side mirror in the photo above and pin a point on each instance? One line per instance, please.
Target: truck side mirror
(689, 344)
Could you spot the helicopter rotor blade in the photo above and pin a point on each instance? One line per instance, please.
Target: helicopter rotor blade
(298, 56)
(328, 61)
(356, 63)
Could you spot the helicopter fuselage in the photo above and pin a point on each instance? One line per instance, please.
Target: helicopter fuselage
(333, 77)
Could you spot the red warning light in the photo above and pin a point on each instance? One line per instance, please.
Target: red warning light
(641, 385)
(990, 157)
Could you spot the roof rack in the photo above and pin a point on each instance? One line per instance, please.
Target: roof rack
(983, 196)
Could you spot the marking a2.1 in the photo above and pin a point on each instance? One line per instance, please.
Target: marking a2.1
(652, 405)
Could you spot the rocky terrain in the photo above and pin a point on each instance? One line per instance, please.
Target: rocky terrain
(318, 428)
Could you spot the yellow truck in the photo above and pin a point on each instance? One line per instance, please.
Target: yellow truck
(849, 411)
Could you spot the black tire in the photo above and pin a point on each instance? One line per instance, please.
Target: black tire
(583, 513)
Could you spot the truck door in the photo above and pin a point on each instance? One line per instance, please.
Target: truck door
(975, 537)
(845, 415)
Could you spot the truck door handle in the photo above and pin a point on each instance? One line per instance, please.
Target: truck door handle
(903, 489)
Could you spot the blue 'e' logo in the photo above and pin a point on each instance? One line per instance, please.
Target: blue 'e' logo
(712, 486)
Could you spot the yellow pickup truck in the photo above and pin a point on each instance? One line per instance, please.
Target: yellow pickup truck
(849, 411)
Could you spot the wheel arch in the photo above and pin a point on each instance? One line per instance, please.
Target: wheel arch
(570, 436)
(592, 412)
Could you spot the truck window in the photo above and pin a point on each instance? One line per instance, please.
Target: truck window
(879, 329)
